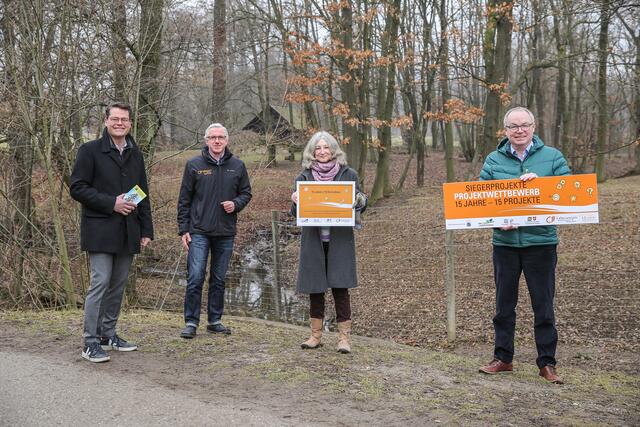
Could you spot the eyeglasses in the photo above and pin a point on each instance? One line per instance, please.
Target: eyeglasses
(525, 126)
(213, 138)
(122, 120)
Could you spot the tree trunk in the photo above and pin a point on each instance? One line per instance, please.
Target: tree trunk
(603, 53)
(634, 33)
(497, 58)
(537, 86)
(444, 87)
(636, 169)
(386, 98)
(20, 213)
(350, 95)
(149, 118)
(561, 110)
(119, 50)
(219, 86)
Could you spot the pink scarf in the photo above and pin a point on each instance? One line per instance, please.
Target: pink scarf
(325, 171)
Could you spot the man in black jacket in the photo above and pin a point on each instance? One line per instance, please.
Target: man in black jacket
(215, 187)
(112, 228)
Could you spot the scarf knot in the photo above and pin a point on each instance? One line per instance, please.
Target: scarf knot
(325, 171)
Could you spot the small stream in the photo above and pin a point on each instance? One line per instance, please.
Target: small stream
(250, 286)
(252, 291)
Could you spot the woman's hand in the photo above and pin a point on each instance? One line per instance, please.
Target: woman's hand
(360, 201)
(294, 197)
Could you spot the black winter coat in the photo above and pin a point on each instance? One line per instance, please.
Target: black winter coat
(205, 185)
(99, 176)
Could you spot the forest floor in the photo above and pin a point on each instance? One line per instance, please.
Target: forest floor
(260, 369)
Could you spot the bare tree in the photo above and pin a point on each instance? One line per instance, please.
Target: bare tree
(148, 93)
(603, 53)
(386, 96)
(219, 78)
(497, 61)
(633, 29)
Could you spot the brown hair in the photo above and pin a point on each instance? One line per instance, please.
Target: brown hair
(120, 105)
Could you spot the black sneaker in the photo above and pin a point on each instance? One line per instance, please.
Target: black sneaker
(188, 332)
(94, 353)
(218, 328)
(117, 343)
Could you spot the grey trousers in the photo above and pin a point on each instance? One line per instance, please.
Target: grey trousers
(109, 273)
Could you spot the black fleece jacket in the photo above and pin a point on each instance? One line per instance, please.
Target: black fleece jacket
(205, 185)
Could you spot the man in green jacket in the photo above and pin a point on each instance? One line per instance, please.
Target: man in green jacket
(531, 250)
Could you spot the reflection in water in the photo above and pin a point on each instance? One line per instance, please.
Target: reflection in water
(251, 290)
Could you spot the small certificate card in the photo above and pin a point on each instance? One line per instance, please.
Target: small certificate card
(325, 204)
(135, 195)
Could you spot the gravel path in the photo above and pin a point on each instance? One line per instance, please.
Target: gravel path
(37, 391)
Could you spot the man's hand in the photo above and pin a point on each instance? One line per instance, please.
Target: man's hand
(228, 206)
(123, 207)
(528, 176)
(294, 197)
(186, 239)
(145, 241)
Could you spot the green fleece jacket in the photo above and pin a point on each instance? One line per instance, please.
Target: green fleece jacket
(543, 161)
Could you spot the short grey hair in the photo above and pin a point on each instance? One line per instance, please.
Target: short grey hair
(308, 155)
(213, 126)
(515, 109)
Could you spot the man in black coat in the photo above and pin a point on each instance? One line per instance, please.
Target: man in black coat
(215, 187)
(112, 228)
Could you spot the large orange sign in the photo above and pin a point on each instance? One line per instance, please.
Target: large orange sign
(552, 200)
(325, 204)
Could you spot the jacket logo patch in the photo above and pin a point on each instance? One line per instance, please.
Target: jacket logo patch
(231, 170)
(204, 172)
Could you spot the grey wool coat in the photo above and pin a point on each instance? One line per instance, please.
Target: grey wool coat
(340, 269)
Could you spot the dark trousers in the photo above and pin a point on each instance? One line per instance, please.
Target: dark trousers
(221, 249)
(342, 300)
(539, 266)
(340, 297)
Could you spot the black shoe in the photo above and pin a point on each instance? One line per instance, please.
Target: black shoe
(93, 352)
(188, 332)
(218, 328)
(117, 343)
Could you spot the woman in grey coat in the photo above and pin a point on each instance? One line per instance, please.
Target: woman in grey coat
(328, 254)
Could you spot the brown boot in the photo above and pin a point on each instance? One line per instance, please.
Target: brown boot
(344, 337)
(316, 335)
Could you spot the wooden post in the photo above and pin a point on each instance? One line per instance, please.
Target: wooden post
(450, 286)
(275, 237)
